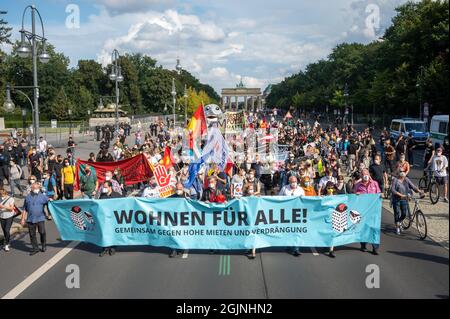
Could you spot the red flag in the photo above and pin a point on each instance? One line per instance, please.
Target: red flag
(134, 170)
(167, 160)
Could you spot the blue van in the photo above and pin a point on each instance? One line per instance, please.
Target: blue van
(417, 128)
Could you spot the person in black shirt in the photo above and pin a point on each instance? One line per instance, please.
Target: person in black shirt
(400, 147)
(108, 193)
(428, 153)
(410, 146)
(378, 173)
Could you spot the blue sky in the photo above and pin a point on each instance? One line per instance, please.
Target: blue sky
(219, 41)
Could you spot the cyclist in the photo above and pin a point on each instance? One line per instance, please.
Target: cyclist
(439, 166)
(401, 189)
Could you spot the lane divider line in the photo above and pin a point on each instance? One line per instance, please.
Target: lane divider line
(27, 282)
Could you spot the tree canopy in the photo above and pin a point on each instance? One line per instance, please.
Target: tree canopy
(407, 65)
(146, 87)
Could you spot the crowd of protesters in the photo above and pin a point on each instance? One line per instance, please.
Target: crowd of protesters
(319, 161)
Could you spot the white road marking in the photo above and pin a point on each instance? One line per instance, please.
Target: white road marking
(314, 251)
(185, 254)
(39, 272)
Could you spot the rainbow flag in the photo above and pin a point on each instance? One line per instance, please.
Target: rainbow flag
(197, 128)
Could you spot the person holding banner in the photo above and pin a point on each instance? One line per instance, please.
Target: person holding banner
(293, 189)
(152, 190)
(88, 183)
(114, 184)
(108, 193)
(368, 186)
(212, 194)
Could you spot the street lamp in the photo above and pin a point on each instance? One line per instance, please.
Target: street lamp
(9, 105)
(116, 76)
(24, 120)
(25, 51)
(346, 100)
(185, 103)
(70, 121)
(419, 87)
(174, 100)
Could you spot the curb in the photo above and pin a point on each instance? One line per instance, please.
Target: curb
(428, 235)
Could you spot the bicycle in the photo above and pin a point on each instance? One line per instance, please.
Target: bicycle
(417, 216)
(428, 184)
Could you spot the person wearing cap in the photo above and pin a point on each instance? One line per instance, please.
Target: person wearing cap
(439, 166)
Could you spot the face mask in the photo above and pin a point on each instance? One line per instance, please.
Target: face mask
(66, 164)
(377, 162)
(34, 152)
(439, 153)
(402, 174)
(32, 181)
(366, 178)
(330, 191)
(180, 192)
(11, 163)
(44, 177)
(212, 186)
(293, 185)
(107, 178)
(307, 184)
(36, 191)
(105, 191)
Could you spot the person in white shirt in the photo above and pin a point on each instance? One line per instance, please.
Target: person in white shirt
(152, 190)
(42, 146)
(292, 189)
(439, 166)
(324, 180)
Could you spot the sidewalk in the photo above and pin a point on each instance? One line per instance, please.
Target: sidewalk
(437, 217)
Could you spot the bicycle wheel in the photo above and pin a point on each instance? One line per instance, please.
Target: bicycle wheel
(421, 224)
(406, 223)
(434, 193)
(423, 183)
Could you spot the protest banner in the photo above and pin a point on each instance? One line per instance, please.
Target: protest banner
(250, 222)
(163, 178)
(235, 122)
(134, 170)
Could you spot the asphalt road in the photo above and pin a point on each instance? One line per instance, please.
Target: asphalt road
(409, 268)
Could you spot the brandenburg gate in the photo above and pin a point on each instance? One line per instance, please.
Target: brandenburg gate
(251, 98)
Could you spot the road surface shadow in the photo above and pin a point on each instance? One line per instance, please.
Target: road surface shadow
(422, 256)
